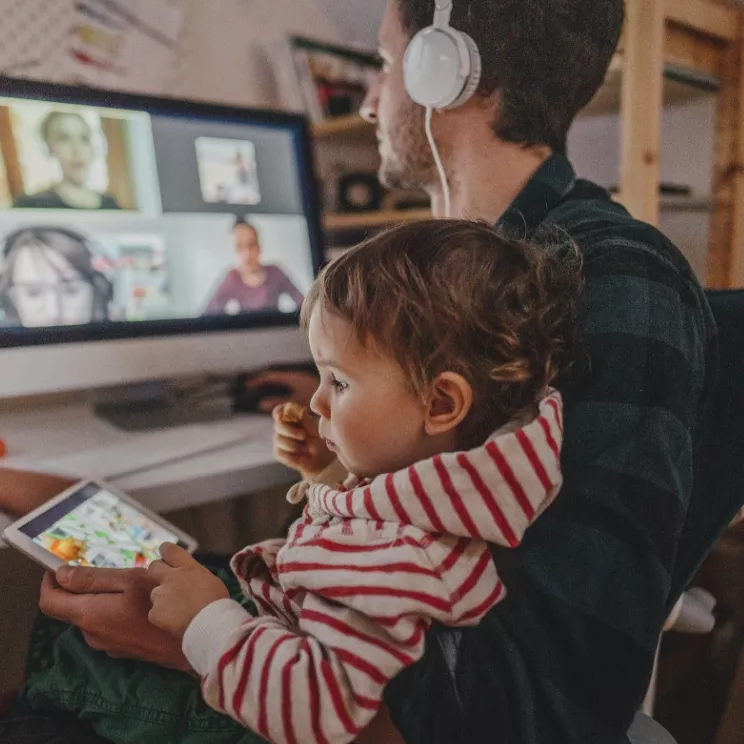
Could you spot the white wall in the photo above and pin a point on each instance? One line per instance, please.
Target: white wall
(225, 42)
(688, 133)
(357, 20)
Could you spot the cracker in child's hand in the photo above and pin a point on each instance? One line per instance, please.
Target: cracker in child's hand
(292, 413)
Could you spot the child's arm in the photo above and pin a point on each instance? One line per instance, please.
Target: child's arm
(289, 685)
(321, 678)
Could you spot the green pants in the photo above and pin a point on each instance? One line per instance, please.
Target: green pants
(126, 702)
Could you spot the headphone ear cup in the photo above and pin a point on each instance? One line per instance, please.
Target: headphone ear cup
(476, 71)
(431, 68)
(441, 68)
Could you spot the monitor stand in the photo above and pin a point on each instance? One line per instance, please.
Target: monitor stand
(162, 405)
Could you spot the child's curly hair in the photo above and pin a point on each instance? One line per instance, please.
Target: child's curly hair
(460, 296)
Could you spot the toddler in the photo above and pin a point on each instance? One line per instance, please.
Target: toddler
(437, 344)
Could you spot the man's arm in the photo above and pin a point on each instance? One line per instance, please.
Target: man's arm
(23, 491)
(566, 658)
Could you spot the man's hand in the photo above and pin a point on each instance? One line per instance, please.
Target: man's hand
(183, 588)
(299, 446)
(110, 607)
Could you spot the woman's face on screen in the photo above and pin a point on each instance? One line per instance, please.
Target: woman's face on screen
(71, 143)
(47, 291)
(248, 247)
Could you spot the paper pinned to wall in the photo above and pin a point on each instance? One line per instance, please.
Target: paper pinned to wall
(129, 45)
(34, 37)
(132, 45)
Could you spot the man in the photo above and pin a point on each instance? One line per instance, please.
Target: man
(567, 657)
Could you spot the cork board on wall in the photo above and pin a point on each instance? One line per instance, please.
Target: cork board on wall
(130, 45)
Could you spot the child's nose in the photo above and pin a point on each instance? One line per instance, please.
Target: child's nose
(318, 404)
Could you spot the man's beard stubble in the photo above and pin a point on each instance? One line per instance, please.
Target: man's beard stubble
(407, 161)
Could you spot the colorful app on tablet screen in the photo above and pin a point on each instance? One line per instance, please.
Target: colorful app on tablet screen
(102, 531)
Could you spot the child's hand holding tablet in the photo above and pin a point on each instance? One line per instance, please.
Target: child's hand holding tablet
(184, 589)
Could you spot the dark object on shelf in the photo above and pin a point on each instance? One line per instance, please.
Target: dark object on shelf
(414, 202)
(665, 189)
(350, 237)
(340, 99)
(359, 192)
(325, 80)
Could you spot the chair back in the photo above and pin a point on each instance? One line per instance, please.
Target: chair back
(647, 731)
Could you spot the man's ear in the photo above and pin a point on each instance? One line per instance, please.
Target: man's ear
(450, 401)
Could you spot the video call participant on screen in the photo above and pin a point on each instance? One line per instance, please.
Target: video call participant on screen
(49, 279)
(69, 140)
(251, 285)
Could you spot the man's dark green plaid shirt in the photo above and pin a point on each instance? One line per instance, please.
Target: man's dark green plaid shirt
(568, 655)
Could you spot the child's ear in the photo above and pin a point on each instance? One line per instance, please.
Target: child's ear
(450, 401)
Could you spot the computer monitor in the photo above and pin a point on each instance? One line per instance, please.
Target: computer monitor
(143, 238)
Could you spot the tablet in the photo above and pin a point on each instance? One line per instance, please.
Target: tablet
(93, 524)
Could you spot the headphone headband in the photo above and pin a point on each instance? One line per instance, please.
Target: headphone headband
(442, 13)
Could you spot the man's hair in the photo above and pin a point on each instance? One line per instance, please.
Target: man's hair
(459, 296)
(546, 58)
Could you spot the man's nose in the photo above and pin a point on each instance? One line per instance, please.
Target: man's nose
(368, 110)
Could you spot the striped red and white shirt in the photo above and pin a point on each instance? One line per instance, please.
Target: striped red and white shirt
(345, 602)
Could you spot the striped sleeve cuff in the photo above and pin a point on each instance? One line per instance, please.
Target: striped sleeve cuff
(204, 640)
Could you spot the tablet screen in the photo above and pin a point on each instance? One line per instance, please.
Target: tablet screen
(94, 527)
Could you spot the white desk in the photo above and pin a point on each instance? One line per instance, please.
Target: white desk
(56, 437)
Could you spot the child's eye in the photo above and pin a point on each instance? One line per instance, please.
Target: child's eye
(337, 384)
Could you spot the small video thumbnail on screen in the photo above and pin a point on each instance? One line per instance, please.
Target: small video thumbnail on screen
(57, 275)
(227, 171)
(57, 156)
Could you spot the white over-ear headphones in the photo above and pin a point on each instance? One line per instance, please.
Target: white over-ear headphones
(442, 66)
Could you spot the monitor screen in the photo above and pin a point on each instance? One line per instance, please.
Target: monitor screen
(127, 216)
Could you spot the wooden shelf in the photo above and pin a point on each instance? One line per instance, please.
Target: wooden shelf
(362, 220)
(607, 99)
(349, 127)
(686, 204)
(668, 203)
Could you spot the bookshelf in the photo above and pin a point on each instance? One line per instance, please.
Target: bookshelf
(345, 126)
(369, 220)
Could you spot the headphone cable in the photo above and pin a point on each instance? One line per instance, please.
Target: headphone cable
(438, 163)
